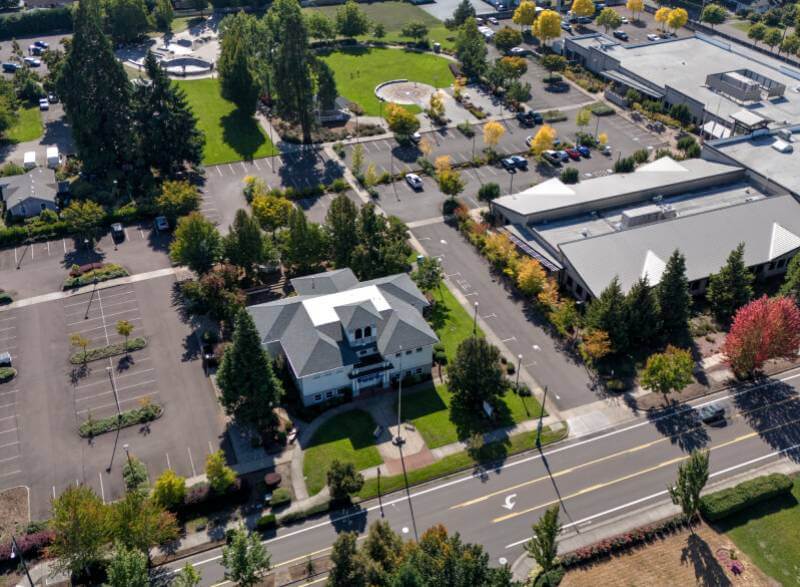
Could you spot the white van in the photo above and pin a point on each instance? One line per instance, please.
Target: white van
(29, 160)
(53, 157)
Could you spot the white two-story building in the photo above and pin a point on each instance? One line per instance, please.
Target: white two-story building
(339, 334)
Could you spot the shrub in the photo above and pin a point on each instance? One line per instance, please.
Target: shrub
(32, 545)
(722, 504)
(338, 148)
(200, 500)
(7, 374)
(640, 156)
(339, 185)
(11, 168)
(601, 109)
(146, 413)
(570, 175)
(106, 272)
(510, 369)
(5, 298)
(280, 496)
(488, 192)
(300, 515)
(449, 206)
(134, 344)
(551, 578)
(426, 166)
(466, 129)
(266, 522)
(35, 22)
(624, 165)
(554, 116)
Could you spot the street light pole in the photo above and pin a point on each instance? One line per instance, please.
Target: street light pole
(475, 321)
(519, 367)
(511, 183)
(15, 549)
(398, 440)
(539, 425)
(119, 418)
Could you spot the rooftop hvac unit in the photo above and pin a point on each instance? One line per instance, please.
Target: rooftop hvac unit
(785, 134)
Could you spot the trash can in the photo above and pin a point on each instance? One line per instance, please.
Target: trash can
(437, 47)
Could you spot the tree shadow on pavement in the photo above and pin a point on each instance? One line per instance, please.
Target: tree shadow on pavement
(773, 411)
(680, 423)
(352, 518)
(707, 569)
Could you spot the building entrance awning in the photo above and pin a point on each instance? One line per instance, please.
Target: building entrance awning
(619, 77)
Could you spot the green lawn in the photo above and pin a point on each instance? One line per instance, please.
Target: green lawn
(230, 135)
(393, 15)
(27, 127)
(347, 437)
(182, 23)
(742, 25)
(450, 321)
(768, 534)
(359, 70)
(490, 453)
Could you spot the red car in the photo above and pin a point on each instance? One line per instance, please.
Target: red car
(573, 154)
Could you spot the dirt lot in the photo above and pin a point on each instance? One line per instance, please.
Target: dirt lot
(681, 559)
(14, 513)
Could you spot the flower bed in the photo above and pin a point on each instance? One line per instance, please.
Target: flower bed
(146, 413)
(104, 273)
(134, 344)
(622, 542)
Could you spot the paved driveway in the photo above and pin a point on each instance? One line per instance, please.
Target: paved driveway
(518, 326)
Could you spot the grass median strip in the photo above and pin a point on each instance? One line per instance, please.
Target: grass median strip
(489, 453)
(112, 350)
(147, 412)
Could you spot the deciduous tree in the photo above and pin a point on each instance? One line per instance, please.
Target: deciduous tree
(128, 568)
(661, 17)
(583, 7)
(692, 477)
(791, 282)
(83, 218)
(764, 329)
(127, 19)
(244, 243)
(351, 21)
(757, 32)
(543, 546)
(530, 277)
(134, 474)
(428, 275)
(475, 375)
(169, 490)
(177, 198)
(344, 480)
(543, 140)
(138, 522)
(245, 559)
(340, 224)
(401, 122)
(197, 243)
(250, 390)
(415, 30)
(272, 212)
(731, 288)
(525, 14)
(609, 19)
(507, 38)
(773, 37)
(382, 247)
(677, 18)
(187, 577)
(81, 525)
(493, 131)
(636, 7)
(713, 14)
(669, 371)
(320, 26)
(595, 345)
(164, 14)
(348, 568)
(304, 245)
(220, 475)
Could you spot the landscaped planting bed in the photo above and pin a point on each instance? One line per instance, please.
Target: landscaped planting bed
(134, 344)
(104, 273)
(141, 415)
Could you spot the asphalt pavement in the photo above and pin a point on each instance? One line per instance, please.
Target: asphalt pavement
(592, 479)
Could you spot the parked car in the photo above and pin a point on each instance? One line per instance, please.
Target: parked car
(493, 20)
(625, 20)
(33, 61)
(518, 51)
(414, 181)
(556, 143)
(416, 137)
(652, 37)
(5, 359)
(584, 19)
(44, 104)
(566, 26)
(209, 356)
(621, 35)
(552, 158)
(35, 50)
(42, 44)
(584, 151)
(563, 156)
(10, 67)
(526, 118)
(52, 98)
(117, 232)
(161, 224)
(606, 150)
(574, 154)
(479, 21)
(711, 415)
(528, 140)
(514, 162)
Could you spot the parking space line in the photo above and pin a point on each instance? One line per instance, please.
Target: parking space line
(111, 391)
(117, 378)
(102, 318)
(231, 168)
(169, 466)
(6, 445)
(102, 492)
(122, 401)
(15, 472)
(8, 328)
(243, 166)
(48, 248)
(191, 462)
(64, 242)
(16, 262)
(14, 458)
(219, 171)
(9, 392)
(255, 162)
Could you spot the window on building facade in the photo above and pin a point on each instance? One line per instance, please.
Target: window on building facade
(359, 335)
(368, 332)
(318, 397)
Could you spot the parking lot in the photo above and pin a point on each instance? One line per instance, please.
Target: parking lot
(38, 268)
(637, 30)
(222, 194)
(53, 395)
(6, 52)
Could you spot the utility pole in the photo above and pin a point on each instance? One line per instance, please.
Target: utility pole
(15, 550)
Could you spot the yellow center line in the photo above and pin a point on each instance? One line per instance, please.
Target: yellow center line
(593, 488)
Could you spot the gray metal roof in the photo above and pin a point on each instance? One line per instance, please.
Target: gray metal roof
(769, 228)
(39, 183)
(553, 198)
(310, 329)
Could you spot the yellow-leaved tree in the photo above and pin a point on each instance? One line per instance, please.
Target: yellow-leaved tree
(525, 14)
(493, 131)
(543, 140)
(661, 16)
(677, 18)
(499, 250)
(531, 278)
(636, 7)
(583, 7)
(548, 26)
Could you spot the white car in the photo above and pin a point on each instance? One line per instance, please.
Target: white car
(625, 20)
(33, 61)
(44, 104)
(518, 51)
(414, 181)
(652, 37)
(606, 150)
(493, 20)
(528, 140)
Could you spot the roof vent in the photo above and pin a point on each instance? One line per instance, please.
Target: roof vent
(585, 232)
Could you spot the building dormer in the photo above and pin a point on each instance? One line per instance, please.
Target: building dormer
(359, 322)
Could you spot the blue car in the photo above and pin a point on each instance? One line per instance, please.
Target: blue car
(584, 151)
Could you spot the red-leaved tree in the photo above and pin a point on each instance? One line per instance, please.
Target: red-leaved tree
(766, 328)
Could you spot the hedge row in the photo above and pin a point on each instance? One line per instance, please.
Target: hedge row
(110, 271)
(201, 500)
(31, 545)
(146, 413)
(112, 350)
(721, 504)
(35, 22)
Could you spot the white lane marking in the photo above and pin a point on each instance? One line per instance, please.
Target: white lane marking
(102, 491)
(191, 461)
(103, 381)
(110, 391)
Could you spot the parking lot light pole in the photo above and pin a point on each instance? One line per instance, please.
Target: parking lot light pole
(475, 321)
(91, 297)
(119, 418)
(15, 550)
(398, 440)
(511, 183)
(519, 367)
(539, 425)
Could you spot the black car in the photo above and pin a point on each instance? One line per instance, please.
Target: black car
(209, 355)
(117, 232)
(712, 414)
(621, 35)
(526, 118)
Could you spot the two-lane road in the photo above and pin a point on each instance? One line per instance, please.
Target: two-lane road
(593, 479)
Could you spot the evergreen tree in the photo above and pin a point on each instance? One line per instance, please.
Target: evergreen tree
(674, 301)
(166, 127)
(237, 74)
(463, 11)
(471, 49)
(244, 243)
(127, 19)
(164, 14)
(607, 313)
(382, 245)
(475, 376)
(344, 480)
(384, 547)
(97, 95)
(731, 288)
(250, 389)
(304, 245)
(641, 315)
(291, 65)
(327, 92)
(340, 223)
(791, 282)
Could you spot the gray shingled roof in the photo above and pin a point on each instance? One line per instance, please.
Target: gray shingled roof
(311, 348)
(38, 183)
(769, 228)
(324, 283)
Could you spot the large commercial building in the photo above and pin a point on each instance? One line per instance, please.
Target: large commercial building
(628, 225)
(339, 335)
(728, 89)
